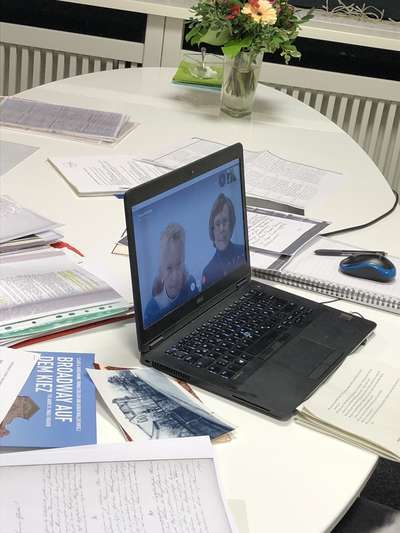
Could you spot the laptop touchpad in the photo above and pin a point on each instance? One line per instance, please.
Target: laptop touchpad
(303, 356)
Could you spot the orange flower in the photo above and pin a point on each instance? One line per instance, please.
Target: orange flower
(260, 11)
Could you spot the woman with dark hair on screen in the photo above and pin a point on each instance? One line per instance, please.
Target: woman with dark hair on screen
(173, 286)
(228, 255)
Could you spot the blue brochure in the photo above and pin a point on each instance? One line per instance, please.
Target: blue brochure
(56, 407)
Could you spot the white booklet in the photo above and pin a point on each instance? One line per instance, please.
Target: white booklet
(161, 486)
(105, 175)
(76, 122)
(360, 404)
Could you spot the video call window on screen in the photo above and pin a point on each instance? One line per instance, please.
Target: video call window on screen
(187, 239)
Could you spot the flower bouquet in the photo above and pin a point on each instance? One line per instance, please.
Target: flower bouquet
(245, 31)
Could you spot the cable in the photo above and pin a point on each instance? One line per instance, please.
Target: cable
(355, 313)
(330, 301)
(362, 226)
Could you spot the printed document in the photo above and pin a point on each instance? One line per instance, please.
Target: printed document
(103, 175)
(17, 221)
(272, 177)
(168, 486)
(149, 405)
(360, 403)
(190, 150)
(278, 232)
(15, 367)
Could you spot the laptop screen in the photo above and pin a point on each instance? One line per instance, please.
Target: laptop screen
(187, 239)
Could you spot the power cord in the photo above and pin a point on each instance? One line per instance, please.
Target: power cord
(362, 226)
(330, 301)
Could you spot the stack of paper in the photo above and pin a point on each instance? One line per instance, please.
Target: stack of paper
(76, 122)
(360, 404)
(46, 292)
(22, 229)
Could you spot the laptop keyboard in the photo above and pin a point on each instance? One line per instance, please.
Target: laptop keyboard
(227, 342)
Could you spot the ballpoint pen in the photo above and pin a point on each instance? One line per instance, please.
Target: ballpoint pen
(331, 252)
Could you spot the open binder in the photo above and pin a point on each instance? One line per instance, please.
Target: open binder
(46, 292)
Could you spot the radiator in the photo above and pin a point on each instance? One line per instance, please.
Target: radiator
(25, 67)
(374, 124)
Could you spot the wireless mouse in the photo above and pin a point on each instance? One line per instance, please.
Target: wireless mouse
(369, 266)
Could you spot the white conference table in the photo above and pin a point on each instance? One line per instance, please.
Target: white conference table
(278, 477)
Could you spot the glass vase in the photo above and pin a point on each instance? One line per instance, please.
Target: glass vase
(241, 75)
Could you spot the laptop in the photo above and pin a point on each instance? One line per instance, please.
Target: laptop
(199, 315)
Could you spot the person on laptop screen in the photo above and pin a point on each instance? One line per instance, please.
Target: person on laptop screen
(173, 286)
(228, 255)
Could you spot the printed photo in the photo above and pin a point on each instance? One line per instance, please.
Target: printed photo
(149, 405)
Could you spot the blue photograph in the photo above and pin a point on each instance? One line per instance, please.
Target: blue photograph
(187, 239)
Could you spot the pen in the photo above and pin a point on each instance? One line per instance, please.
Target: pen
(324, 251)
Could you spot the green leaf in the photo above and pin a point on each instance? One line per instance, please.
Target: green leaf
(232, 48)
(216, 37)
(191, 34)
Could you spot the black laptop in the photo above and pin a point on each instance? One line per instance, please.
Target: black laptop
(199, 315)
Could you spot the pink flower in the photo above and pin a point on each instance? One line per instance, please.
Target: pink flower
(260, 11)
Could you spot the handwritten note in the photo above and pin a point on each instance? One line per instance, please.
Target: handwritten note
(140, 496)
(280, 233)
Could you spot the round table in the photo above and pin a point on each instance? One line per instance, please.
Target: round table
(277, 476)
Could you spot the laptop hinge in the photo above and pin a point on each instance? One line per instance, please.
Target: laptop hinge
(241, 282)
(154, 343)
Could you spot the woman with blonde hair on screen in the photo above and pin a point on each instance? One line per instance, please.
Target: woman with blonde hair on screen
(173, 286)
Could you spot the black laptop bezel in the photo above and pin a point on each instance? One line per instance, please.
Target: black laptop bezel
(146, 337)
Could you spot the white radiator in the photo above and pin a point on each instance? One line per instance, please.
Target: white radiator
(374, 124)
(32, 56)
(25, 67)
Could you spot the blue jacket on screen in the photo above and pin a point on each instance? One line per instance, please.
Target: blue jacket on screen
(155, 312)
(222, 263)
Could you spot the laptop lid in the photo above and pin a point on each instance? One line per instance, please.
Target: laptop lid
(187, 238)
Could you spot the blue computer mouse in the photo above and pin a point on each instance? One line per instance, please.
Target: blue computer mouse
(376, 267)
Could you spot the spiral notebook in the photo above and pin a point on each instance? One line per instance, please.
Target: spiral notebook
(307, 270)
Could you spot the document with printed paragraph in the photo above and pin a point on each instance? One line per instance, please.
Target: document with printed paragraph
(105, 175)
(270, 176)
(163, 486)
(360, 404)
